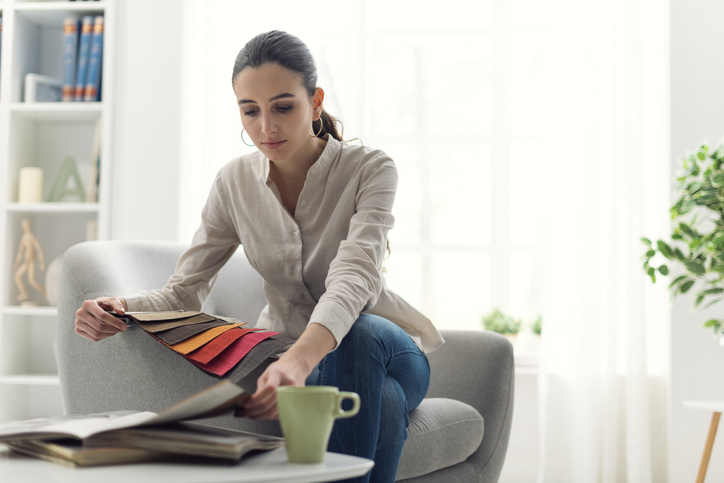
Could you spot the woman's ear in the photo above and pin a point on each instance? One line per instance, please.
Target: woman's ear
(318, 99)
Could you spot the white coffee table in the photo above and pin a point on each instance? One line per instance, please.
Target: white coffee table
(271, 466)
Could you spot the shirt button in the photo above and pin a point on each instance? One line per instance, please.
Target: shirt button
(304, 202)
(295, 269)
(304, 296)
(296, 234)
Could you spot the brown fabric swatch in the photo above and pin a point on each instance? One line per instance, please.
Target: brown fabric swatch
(198, 340)
(180, 334)
(161, 316)
(172, 324)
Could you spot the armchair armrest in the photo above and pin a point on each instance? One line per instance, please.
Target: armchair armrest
(478, 369)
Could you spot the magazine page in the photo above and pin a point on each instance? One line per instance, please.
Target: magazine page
(76, 426)
(219, 399)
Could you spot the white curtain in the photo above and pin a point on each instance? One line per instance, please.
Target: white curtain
(603, 367)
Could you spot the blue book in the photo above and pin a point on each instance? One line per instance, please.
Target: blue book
(95, 62)
(86, 31)
(70, 52)
(1, 39)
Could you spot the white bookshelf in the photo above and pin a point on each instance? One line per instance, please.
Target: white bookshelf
(44, 135)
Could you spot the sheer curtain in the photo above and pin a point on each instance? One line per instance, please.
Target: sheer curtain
(532, 143)
(603, 365)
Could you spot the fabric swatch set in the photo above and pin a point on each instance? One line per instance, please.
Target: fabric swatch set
(219, 346)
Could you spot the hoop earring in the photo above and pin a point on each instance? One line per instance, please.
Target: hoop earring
(321, 125)
(242, 139)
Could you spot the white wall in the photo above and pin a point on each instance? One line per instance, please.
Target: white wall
(147, 122)
(697, 114)
(521, 461)
(147, 147)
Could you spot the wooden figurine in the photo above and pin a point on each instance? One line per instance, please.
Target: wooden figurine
(28, 251)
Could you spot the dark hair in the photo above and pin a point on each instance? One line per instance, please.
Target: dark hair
(286, 50)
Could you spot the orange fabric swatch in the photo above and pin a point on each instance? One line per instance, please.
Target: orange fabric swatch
(204, 354)
(197, 341)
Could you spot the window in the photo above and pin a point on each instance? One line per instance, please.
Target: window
(455, 96)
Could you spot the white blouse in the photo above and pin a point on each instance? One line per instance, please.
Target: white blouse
(322, 265)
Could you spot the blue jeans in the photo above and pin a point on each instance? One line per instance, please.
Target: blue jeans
(380, 362)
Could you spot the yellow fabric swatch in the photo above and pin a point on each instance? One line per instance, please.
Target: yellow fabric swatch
(197, 341)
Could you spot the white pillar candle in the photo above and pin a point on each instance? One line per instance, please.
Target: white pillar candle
(31, 185)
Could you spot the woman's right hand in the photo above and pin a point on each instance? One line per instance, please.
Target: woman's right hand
(95, 323)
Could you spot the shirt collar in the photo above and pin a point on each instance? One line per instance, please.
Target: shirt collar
(330, 152)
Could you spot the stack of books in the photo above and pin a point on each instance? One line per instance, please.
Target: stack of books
(136, 436)
(82, 58)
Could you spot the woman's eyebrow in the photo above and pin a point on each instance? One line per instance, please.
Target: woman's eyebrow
(280, 96)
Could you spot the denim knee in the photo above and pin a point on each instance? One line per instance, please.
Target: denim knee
(371, 332)
(394, 417)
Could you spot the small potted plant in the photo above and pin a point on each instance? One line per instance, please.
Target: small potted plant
(503, 324)
(696, 244)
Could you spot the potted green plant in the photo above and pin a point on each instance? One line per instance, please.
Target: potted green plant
(696, 244)
(502, 323)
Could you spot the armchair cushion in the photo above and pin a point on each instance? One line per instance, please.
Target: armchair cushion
(443, 432)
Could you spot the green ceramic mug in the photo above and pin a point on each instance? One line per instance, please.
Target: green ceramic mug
(307, 414)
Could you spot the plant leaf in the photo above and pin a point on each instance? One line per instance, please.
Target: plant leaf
(695, 267)
(664, 248)
(686, 286)
(646, 241)
(677, 280)
(664, 270)
(699, 299)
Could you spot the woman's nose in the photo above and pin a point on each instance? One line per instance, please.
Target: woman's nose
(268, 126)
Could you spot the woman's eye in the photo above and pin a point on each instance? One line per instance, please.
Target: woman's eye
(251, 112)
(284, 108)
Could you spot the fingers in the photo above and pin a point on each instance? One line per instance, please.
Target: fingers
(94, 323)
(263, 403)
(112, 303)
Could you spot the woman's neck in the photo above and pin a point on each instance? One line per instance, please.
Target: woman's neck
(296, 167)
(290, 174)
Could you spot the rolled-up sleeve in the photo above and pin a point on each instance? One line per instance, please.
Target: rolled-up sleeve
(214, 242)
(355, 279)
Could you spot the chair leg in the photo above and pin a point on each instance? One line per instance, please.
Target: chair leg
(708, 447)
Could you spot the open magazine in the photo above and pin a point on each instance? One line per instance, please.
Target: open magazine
(102, 436)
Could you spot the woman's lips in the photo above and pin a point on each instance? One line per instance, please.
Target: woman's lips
(273, 144)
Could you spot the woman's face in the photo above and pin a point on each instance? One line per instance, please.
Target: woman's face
(276, 110)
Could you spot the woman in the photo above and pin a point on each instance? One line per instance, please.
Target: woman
(312, 213)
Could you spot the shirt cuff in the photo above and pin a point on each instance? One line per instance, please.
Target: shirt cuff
(335, 318)
(144, 302)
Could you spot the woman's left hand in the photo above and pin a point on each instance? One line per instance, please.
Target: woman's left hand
(263, 404)
(291, 369)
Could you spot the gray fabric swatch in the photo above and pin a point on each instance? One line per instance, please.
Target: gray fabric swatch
(254, 363)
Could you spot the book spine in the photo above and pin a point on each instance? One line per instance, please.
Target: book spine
(95, 62)
(1, 39)
(86, 32)
(70, 52)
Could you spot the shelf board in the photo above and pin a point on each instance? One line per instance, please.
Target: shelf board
(59, 207)
(53, 13)
(19, 310)
(32, 379)
(58, 111)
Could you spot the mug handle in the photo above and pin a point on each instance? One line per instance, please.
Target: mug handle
(340, 413)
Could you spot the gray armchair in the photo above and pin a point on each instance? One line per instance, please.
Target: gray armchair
(459, 433)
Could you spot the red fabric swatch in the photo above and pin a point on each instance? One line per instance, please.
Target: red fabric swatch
(231, 356)
(204, 354)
